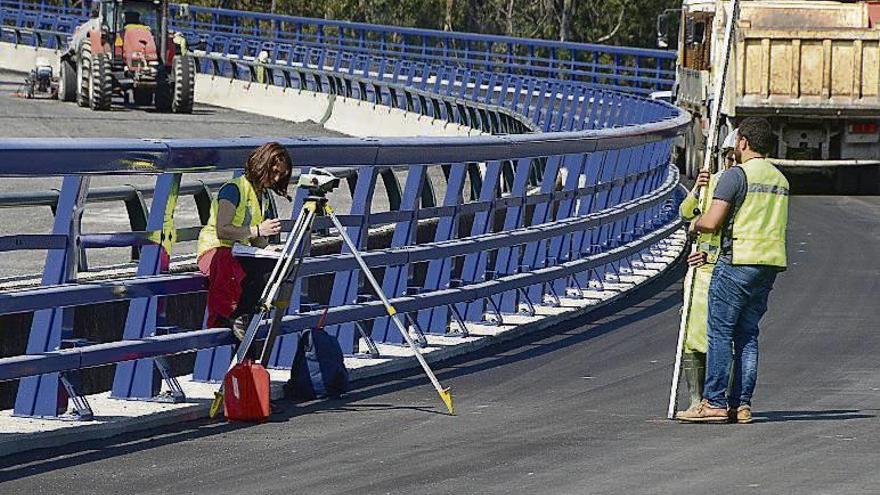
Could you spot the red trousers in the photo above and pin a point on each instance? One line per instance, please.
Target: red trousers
(225, 277)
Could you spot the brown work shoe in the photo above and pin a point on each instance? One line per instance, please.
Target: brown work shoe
(690, 410)
(704, 413)
(742, 414)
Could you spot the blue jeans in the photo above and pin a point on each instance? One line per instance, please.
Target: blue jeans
(737, 301)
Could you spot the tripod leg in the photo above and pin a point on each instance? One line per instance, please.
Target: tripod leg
(392, 313)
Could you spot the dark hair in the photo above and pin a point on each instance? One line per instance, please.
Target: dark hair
(269, 167)
(758, 133)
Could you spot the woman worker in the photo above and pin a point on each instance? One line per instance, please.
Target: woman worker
(703, 262)
(238, 214)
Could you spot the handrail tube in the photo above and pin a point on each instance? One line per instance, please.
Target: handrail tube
(643, 52)
(21, 242)
(99, 194)
(102, 354)
(165, 285)
(142, 237)
(67, 295)
(134, 156)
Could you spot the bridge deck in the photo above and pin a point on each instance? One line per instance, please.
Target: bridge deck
(574, 411)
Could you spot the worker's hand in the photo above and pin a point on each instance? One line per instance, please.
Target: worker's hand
(703, 179)
(697, 259)
(270, 227)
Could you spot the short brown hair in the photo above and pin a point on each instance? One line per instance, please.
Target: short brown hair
(758, 133)
(269, 167)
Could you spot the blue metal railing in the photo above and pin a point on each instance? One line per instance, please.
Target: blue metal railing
(570, 182)
(621, 68)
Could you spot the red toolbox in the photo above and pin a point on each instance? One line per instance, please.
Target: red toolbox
(246, 393)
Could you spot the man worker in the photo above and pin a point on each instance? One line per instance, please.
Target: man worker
(708, 245)
(750, 208)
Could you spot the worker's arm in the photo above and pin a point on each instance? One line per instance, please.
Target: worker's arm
(713, 219)
(690, 206)
(229, 232)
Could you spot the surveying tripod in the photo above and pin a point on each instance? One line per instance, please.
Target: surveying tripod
(279, 287)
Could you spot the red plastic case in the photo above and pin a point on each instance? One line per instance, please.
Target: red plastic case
(246, 391)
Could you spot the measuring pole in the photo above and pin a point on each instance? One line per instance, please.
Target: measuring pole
(718, 91)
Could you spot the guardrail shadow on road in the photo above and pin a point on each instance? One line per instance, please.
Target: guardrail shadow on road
(811, 415)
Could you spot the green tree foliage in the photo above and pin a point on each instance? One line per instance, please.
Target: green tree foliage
(618, 22)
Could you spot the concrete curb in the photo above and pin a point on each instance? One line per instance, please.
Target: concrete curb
(119, 417)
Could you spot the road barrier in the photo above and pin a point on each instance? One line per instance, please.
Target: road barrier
(569, 183)
(246, 34)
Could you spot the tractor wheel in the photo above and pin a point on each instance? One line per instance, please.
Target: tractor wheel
(143, 97)
(67, 81)
(101, 84)
(83, 73)
(184, 84)
(164, 95)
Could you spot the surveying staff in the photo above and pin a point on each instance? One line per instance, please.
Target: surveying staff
(750, 207)
(238, 214)
(703, 261)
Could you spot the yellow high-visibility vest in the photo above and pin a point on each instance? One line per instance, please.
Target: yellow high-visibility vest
(760, 223)
(247, 213)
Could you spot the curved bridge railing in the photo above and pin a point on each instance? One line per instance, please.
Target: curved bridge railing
(484, 226)
(246, 34)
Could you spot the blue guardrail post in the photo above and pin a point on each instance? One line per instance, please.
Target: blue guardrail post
(136, 380)
(42, 396)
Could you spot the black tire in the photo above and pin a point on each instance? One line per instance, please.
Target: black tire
(143, 97)
(695, 150)
(163, 95)
(184, 73)
(101, 84)
(67, 81)
(83, 73)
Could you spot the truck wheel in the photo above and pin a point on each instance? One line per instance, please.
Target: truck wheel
(143, 97)
(67, 81)
(83, 73)
(694, 152)
(101, 84)
(184, 84)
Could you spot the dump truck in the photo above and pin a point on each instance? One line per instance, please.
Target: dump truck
(126, 48)
(812, 68)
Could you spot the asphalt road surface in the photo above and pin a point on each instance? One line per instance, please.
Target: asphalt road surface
(51, 118)
(573, 411)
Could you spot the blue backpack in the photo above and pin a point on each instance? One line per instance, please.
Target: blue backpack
(318, 369)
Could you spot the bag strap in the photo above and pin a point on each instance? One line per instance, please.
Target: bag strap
(323, 320)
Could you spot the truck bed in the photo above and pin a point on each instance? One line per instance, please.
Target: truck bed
(822, 72)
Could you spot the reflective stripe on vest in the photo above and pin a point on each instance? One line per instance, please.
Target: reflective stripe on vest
(707, 242)
(760, 223)
(248, 212)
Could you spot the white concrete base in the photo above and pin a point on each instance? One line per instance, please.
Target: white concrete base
(22, 58)
(348, 116)
(115, 417)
